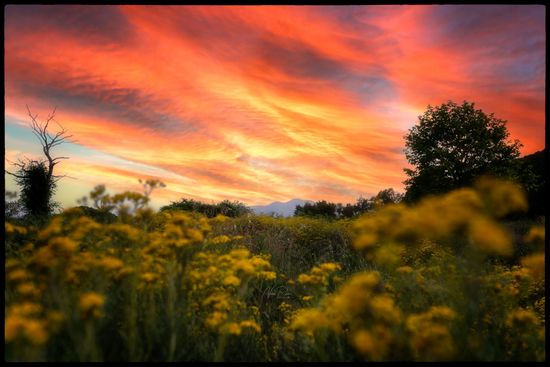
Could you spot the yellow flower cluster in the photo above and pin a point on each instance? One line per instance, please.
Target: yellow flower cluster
(535, 263)
(236, 328)
(215, 282)
(26, 320)
(535, 236)
(90, 305)
(430, 337)
(360, 301)
(183, 229)
(319, 275)
(373, 344)
(501, 197)
(467, 211)
(12, 228)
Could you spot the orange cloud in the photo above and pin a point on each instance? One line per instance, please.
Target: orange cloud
(267, 103)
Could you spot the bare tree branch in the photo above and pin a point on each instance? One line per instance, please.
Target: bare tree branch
(13, 174)
(47, 140)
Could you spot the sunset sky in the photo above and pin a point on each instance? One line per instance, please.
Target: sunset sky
(260, 103)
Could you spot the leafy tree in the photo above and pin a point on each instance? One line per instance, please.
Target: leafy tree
(232, 209)
(386, 196)
(363, 205)
(347, 211)
(452, 145)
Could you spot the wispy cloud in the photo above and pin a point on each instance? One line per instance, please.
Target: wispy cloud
(264, 103)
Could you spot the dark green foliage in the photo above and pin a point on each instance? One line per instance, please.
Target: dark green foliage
(347, 211)
(324, 209)
(232, 208)
(387, 196)
(531, 173)
(319, 209)
(226, 207)
(37, 189)
(452, 145)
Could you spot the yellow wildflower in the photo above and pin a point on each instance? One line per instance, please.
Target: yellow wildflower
(215, 319)
(250, 324)
(194, 235)
(433, 343)
(490, 238)
(522, 319)
(90, 304)
(11, 264)
(309, 320)
(53, 228)
(111, 263)
(232, 280)
(35, 331)
(502, 197)
(374, 344)
(268, 275)
(220, 239)
(535, 235)
(233, 328)
(11, 228)
(148, 277)
(28, 289)
(383, 308)
(63, 244)
(12, 327)
(18, 275)
(535, 264)
(404, 269)
(25, 309)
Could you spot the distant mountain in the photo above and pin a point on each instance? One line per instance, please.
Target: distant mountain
(278, 208)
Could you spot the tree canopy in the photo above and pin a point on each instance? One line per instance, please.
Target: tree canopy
(452, 145)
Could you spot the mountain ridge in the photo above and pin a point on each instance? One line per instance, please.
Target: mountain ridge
(285, 209)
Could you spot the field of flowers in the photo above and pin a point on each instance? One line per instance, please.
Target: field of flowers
(446, 279)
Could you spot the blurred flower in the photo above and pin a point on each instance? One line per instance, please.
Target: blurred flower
(90, 305)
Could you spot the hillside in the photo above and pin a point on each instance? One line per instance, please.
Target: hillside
(279, 208)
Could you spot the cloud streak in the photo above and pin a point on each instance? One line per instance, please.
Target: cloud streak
(265, 103)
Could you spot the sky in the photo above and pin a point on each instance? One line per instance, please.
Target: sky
(260, 103)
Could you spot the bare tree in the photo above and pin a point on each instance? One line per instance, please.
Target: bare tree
(29, 169)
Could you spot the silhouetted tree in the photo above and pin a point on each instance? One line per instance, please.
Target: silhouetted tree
(318, 209)
(347, 211)
(36, 189)
(452, 145)
(531, 174)
(363, 205)
(36, 178)
(387, 196)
